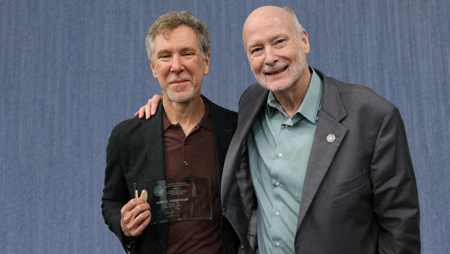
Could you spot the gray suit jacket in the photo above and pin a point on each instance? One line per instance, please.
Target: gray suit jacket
(360, 193)
(135, 153)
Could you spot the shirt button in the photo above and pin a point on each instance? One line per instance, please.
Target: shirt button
(185, 163)
(277, 213)
(280, 155)
(278, 244)
(277, 183)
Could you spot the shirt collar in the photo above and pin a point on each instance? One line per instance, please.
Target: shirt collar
(311, 103)
(205, 122)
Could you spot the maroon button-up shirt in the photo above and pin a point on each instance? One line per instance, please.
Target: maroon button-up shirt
(189, 157)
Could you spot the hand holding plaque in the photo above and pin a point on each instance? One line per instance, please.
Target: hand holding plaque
(135, 216)
(187, 198)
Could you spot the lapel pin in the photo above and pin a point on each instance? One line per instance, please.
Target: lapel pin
(331, 138)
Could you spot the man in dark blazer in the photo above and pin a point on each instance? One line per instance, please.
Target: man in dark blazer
(359, 191)
(139, 150)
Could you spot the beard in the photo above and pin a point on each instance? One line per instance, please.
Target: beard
(177, 98)
(189, 97)
(294, 74)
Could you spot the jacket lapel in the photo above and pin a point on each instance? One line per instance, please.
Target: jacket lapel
(223, 132)
(154, 146)
(248, 112)
(323, 151)
(154, 149)
(234, 171)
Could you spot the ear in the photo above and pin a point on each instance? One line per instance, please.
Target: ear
(206, 66)
(155, 74)
(305, 42)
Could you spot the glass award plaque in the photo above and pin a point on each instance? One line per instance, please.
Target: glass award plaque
(187, 198)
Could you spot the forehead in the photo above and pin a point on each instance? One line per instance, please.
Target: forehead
(179, 37)
(267, 26)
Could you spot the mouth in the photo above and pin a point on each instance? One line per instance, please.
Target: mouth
(179, 81)
(277, 71)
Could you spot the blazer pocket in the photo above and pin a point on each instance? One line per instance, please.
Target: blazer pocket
(347, 186)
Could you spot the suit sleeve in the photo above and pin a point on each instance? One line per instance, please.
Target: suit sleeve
(115, 192)
(395, 198)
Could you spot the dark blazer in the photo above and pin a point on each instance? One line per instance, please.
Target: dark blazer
(135, 153)
(359, 194)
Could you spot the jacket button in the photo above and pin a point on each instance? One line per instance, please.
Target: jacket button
(242, 247)
(159, 248)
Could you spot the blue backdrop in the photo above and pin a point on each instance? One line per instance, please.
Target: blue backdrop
(71, 70)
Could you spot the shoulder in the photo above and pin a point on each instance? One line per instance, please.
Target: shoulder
(357, 97)
(135, 125)
(255, 90)
(128, 131)
(217, 110)
(128, 126)
(361, 94)
(252, 98)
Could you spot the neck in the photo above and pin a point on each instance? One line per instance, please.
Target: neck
(187, 114)
(292, 98)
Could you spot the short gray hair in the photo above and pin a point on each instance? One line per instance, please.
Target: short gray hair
(297, 24)
(172, 20)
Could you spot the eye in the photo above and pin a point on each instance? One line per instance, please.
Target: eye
(280, 41)
(256, 50)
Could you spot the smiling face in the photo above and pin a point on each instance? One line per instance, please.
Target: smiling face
(179, 66)
(275, 50)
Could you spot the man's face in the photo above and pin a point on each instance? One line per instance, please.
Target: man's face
(179, 66)
(276, 54)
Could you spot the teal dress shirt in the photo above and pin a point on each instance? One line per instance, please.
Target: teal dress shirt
(279, 149)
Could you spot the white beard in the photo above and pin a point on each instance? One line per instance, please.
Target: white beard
(186, 98)
(294, 72)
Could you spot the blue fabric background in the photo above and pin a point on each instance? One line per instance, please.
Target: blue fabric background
(71, 70)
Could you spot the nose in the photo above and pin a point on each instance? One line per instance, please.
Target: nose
(271, 57)
(177, 64)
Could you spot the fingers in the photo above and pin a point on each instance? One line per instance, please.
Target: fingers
(134, 208)
(142, 221)
(154, 103)
(131, 205)
(147, 109)
(135, 217)
(150, 108)
(141, 112)
(144, 195)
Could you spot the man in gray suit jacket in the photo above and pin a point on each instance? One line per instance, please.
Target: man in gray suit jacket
(316, 165)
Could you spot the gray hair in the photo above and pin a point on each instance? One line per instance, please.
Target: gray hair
(297, 24)
(172, 20)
